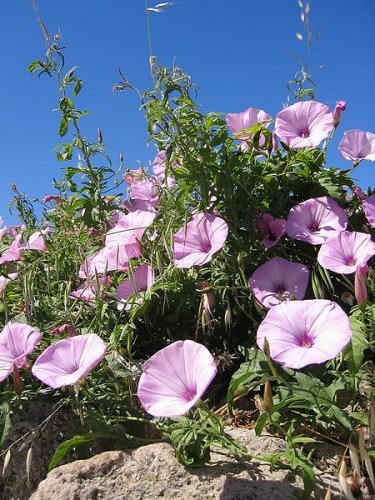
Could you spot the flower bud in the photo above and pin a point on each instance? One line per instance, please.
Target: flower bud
(100, 137)
(64, 329)
(360, 287)
(358, 192)
(240, 261)
(209, 302)
(266, 347)
(339, 108)
(275, 144)
(267, 396)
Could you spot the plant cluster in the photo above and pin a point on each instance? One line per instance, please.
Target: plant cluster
(238, 268)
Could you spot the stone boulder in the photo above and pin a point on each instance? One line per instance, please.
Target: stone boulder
(38, 425)
(152, 471)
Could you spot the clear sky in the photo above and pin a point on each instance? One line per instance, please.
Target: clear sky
(237, 51)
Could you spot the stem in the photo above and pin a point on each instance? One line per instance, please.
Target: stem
(78, 404)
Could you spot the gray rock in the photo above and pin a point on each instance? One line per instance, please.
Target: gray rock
(44, 441)
(153, 472)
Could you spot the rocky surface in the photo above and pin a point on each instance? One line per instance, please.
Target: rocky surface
(152, 472)
(26, 434)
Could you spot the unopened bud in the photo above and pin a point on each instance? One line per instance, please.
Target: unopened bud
(18, 387)
(360, 287)
(275, 144)
(267, 396)
(100, 137)
(339, 108)
(266, 347)
(358, 192)
(209, 302)
(240, 261)
(121, 158)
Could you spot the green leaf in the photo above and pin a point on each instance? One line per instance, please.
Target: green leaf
(21, 318)
(68, 445)
(33, 66)
(340, 416)
(69, 74)
(63, 128)
(308, 477)
(247, 372)
(5, 423)
(261, 423)
(354, 351)
(77, 87)
(359, 417)
(66, 104)
(302, 439)
(189, 441)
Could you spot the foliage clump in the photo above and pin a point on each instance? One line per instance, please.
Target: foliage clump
(226, 192)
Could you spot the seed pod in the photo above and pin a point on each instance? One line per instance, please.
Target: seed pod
(228, 317)
(29, 459)
(6, 461)
(343, 482)
(355, 459)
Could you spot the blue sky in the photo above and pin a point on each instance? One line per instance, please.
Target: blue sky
(238, 52)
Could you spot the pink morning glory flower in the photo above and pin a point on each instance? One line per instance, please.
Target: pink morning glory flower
(134, 175)
(51, 197)
(14, 252)
(357, 145)
(196, 244)
(238, 122)
(315, 220)
(304, 332)
(159, 166)
(339, 108)
(278, 280)
(144, 195)
(68, 361)
(14, 230)
(141, 281)
(88, 292)
(271, 229)
(369, 208)
(66, 328)
(2, 229)
(175, 378)
(304, 124)
(129, 230)
(115, 258)
(4, 280)
(17, 340)
(36, 242)
(346, 251)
